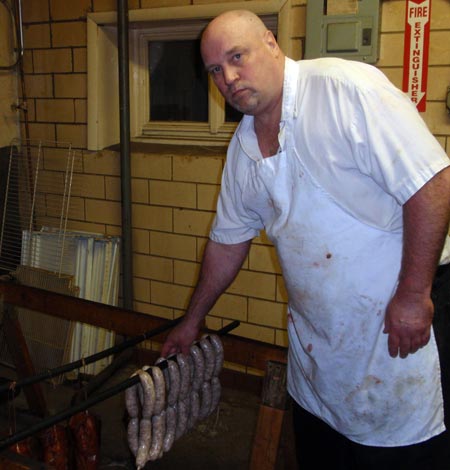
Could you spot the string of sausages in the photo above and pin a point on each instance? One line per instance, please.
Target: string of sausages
(168, 401)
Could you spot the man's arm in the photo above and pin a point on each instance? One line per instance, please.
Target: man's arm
(426, 220)
(220, 265)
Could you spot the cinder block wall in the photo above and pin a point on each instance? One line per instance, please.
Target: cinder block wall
(174, 191)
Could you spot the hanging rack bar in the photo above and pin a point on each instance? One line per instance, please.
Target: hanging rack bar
(253, 353)
(88, 360)
(86, 404)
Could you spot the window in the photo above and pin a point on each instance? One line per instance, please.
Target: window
(175, 99)
(172, 99)
(178, 82)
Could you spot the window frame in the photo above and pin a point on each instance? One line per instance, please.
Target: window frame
(173, 22)
(182, 131)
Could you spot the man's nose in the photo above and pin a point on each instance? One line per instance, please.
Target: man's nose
(229, 75)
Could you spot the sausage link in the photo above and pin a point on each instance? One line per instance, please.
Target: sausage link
(206, 398)
(145, 438)
(194, 409)
(218, 349)
(174, 378)
(133, 435)
(158, 433)
(160, 390)
(165, 372)
(216, 390)
(185, 376)
(149, 395)
(171, 427)
(182, 418)
(199, 367)
(208, 353)
(131, 400)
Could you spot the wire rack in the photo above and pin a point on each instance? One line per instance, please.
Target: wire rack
(36, 182)
(37, 250)
(36, 194)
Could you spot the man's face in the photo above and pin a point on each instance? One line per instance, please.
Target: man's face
(242, 66)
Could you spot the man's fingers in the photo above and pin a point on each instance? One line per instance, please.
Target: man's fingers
(393, 344)
(405, 347)
(425, 338)
(402, 345)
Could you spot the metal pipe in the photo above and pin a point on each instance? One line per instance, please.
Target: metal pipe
(88, 360)
(86, 404)
(124, 111)
(96, 382)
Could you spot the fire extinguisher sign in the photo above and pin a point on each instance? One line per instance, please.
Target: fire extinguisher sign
(415, 57)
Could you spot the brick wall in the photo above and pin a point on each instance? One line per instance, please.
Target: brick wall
(173, 191)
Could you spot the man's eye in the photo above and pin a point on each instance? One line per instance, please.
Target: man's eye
(237, 56)
(214, 70)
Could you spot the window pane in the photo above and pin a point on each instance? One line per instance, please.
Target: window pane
(231, 114)
(178, 81)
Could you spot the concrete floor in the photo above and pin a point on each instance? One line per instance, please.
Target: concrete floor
(223, 441)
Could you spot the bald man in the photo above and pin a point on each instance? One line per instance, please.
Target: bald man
(324, 161)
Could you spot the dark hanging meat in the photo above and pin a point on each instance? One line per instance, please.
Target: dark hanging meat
(85, 428)
(29, 447)
(55, 447)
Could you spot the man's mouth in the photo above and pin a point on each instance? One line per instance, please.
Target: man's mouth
(237, 93)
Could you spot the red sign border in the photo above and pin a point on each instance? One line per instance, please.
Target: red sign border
(421, 105)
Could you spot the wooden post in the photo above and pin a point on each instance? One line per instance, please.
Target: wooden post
(270, 418)
(18, 349)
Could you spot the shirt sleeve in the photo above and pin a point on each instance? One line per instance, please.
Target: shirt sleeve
(395, 147)
(233, 223)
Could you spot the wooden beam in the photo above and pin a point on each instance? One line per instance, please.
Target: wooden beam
(270, 418)
(17, 348)
(267, 438)
(242, 351)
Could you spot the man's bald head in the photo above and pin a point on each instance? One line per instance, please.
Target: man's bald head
(244, 60)
(243, 20)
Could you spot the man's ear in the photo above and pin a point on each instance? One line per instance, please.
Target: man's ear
(271, 42)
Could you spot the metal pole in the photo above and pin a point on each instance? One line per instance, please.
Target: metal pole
(86, 404)
(88, 360)
(124, 105)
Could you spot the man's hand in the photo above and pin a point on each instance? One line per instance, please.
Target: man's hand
(180, 339)
(408, 323)
(426, 217)
(220, 266)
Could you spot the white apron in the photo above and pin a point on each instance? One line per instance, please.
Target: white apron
(340, 275)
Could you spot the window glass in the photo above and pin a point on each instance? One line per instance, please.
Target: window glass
(178, 81)
(232, 114)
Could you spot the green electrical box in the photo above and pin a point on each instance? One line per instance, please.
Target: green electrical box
(350, 30)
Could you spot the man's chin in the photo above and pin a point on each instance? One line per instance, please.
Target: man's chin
(244, 108)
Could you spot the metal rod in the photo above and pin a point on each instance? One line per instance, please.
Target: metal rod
(96, 382)
(88, 360)
(86, 404)
(125, 171)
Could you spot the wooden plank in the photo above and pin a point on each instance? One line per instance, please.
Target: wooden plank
(270, 418)
(267, 438)
(18, 350)
(246, 352)
(274, 392)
